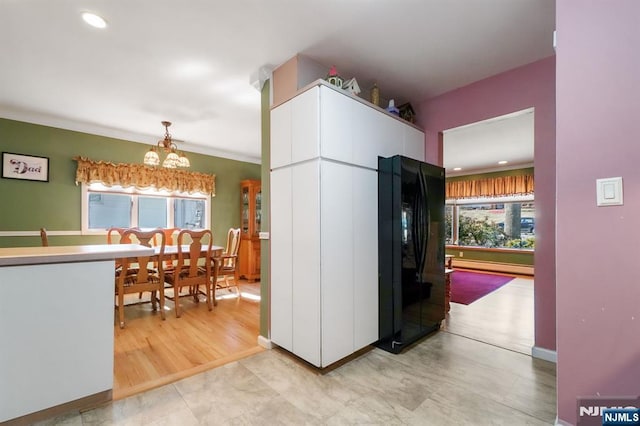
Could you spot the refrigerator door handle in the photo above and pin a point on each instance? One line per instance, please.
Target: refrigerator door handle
(420, 224)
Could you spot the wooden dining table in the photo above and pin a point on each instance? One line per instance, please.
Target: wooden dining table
(172, 251)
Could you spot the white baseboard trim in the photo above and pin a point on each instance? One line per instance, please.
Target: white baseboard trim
(264, 342)
(561, 422)
(493, 266)
(545, 354)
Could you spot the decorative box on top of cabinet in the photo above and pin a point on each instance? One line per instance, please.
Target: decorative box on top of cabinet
(250, 219)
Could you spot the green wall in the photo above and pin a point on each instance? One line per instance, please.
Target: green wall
(265, 187)
(56, 205)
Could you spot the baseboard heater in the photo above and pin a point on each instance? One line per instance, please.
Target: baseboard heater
(510, 268)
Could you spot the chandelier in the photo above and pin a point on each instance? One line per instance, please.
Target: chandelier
(172, 160)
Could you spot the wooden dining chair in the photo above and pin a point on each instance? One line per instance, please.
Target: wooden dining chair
(193, 266)
(43, 237)
(171, 237)
(227, 276)
(141, 273)
(112, 239)
(113, 231)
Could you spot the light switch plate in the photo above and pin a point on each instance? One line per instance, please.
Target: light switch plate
(609, 191)
(263, 235)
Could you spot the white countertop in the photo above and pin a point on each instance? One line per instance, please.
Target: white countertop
(14, 256)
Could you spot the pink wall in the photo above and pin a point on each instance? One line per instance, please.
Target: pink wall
(598, 128)
(532, 85)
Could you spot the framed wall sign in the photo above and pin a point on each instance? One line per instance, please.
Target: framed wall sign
(27, 167)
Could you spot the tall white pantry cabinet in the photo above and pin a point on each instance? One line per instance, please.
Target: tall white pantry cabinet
(324, 219)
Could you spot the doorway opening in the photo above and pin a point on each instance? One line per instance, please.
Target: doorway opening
(493, 232)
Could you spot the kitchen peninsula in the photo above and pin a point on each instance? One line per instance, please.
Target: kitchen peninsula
(56, 328)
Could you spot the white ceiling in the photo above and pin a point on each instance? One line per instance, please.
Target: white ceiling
(190, 62)
(478, 147)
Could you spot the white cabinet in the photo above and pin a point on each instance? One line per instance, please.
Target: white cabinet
(413, 143)
(280, 238)
(281, 132)
(305, 262)
(324, 220)
(336, 128)
(305, 144)
(364, 228)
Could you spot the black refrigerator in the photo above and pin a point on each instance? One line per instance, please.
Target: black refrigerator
(411, 234)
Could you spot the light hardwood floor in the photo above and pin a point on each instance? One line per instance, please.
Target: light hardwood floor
(150, 352)
(504, 318)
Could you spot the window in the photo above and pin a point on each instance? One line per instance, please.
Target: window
(104, 207)
(152, 212)
(187, 213)
(106, 210)
(448, 217)
(499, 222)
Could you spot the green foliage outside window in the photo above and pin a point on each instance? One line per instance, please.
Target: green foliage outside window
(483, 233)
(527, 243)
(448, 225)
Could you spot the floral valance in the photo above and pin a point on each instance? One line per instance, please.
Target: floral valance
(490, 187)
(141, 176)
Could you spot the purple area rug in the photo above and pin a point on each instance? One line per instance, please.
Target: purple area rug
(467, 287)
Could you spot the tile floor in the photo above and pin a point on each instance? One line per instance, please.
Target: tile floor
(446, 379)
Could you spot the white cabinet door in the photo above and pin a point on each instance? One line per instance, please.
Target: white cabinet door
(367, 138)
(305, 260)
(365, 259)
(337, 261)
(390, 136)
(413, 143)
(67, 355)
(305, 126)
(281, 135)
(336, 128)
(281, 271)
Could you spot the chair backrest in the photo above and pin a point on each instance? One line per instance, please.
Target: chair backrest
(233, 245)
(144, 264)
(144, 238)
(111, 232)
(43, 237)
(171, 235)
(194, 255)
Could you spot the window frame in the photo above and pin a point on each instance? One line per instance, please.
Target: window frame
(135, 194)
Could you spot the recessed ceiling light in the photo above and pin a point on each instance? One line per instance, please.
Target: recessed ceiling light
(457, 169)
(503, 162)
(94, 20)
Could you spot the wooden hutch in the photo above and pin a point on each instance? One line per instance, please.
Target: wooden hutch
(250, 219)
